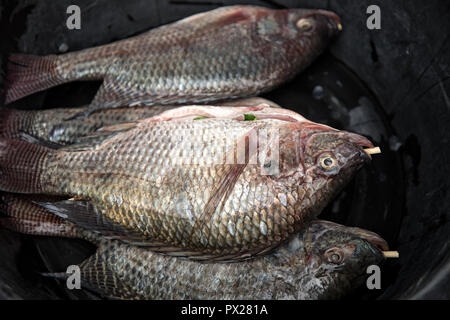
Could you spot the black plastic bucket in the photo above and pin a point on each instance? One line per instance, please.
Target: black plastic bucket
(390, 84)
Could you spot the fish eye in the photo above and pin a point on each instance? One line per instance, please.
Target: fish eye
(327, 162)
(304, 25)
(334, 255)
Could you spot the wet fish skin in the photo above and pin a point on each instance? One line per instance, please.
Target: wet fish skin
(52, 125)
(306, 267)
(162, 192)
(290, 272)
(19, 213)
(225, 53)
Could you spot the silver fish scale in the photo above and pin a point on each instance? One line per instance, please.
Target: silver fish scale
(52, 125)
(153, 276)
(184, 78)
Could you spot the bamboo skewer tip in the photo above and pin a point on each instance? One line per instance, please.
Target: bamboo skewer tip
(374, 150)
(391, 254)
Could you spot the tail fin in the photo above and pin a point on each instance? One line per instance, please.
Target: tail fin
(26, 217)
(21, 164)
(28, 74)
(11, 122)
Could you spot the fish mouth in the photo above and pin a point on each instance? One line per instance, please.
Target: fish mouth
(357, 139)
(373, 238)
(351, 137)
(360, 142)
(333, 18)
(329, 14)
(329, 18)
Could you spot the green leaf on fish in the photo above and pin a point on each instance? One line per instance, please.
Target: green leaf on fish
(249, 117)
(199, 118)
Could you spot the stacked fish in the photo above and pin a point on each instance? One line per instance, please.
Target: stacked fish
(182, 199)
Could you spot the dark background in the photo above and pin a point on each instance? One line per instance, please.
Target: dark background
(404, 65)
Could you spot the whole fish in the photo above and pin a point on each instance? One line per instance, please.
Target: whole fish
(198, 181)
(225, 53)
(52, 125)
(324, 260)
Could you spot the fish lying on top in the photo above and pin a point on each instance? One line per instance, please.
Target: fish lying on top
(52, 125)
(204, 182)
(226, 53)
(324, 260)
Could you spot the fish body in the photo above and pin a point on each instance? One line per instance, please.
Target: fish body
(324, 260)
(290, 272)
(60, 126)
(218, 187)
(226, 53)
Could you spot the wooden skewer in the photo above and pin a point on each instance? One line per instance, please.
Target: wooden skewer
(373, 150)
(391, 254)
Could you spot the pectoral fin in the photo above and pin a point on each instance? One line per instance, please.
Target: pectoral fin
(228, 180)
(86, 215)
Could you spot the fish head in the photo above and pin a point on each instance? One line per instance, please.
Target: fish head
(329, 244)
(319, 156)
(297, 28)
(299, 35)
(338, 256)
(330, 153)
(313, 28)
(307, 164)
